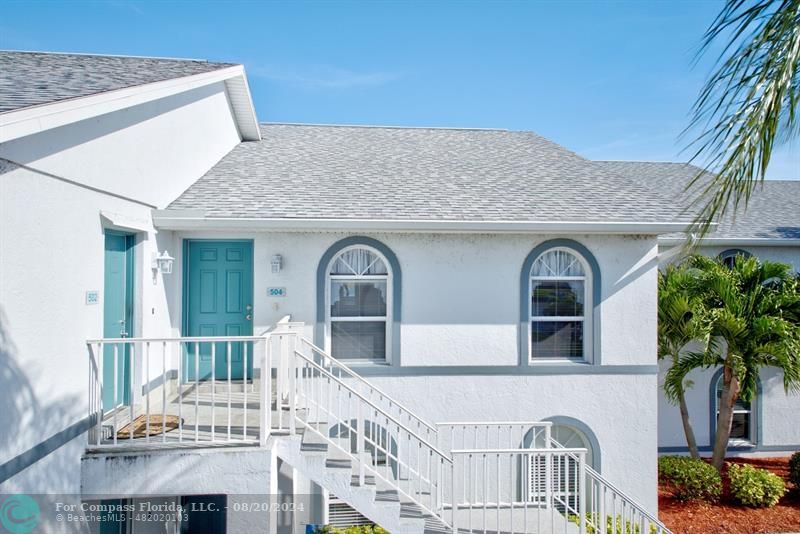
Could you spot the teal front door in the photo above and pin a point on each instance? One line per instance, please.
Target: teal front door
(219, 302)
(117, 317)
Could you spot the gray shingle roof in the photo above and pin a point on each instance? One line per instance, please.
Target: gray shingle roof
(350, 172)
(35, 78)
(773, 210)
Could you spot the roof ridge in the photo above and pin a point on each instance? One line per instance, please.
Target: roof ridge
(94, 54)
(385, 127)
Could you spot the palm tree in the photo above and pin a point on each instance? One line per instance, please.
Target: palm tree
(750, 101)
(752, 313)
(678, 326)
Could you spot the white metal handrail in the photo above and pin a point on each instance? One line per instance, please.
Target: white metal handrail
(372, 404)
(489, 435)
(158, 381)
(507, 468)
(415, 468)
(522, 490)
(611, 511)
(343, 368)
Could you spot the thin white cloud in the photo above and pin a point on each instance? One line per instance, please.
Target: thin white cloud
(322, 77)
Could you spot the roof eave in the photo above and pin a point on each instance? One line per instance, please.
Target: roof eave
(34, 119)
(734, 241)
(195, 220)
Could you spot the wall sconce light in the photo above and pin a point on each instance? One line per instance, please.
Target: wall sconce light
(162, 262)
(277, 263)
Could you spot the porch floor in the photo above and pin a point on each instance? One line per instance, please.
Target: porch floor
(211, 415)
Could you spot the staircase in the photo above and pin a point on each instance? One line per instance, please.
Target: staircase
(400, 472)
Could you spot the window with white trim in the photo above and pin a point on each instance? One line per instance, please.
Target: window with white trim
(742, 425)
(560, 306)
(358, 305)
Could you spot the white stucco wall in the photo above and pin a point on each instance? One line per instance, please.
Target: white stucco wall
(151, 152)
(244, 475)
(460, 310)
(620, 410)
(461, 293)
(52, 253)
(777, 416)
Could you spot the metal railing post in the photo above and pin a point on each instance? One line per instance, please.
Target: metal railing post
(454, 498)
(97, 364)
(292, 361)
(266, 393)
(582, 490)
(360, 441)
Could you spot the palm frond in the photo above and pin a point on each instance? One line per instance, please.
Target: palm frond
(747, 104)
(675, 379)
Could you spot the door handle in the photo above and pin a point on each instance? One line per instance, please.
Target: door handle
(249, 316)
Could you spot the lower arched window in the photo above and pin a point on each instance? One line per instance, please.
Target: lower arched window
(562, 470)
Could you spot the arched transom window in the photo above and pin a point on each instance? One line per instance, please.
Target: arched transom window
(560, 313)
(358, 307)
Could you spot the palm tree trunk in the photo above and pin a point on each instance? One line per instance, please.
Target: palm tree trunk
(730, 392)
(687, 427)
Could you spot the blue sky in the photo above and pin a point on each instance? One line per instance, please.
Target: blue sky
(609, 80)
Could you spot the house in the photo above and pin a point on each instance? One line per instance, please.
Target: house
(273, 325)
(770, 230)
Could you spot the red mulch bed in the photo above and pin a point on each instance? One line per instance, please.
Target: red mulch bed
(727, 517)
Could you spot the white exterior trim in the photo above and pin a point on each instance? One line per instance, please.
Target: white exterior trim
(36, 119)
(196, 220)
(732, 242)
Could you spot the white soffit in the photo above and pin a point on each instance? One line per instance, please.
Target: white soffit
(122, 221)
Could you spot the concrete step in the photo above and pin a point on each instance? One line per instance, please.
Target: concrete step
(310, 457)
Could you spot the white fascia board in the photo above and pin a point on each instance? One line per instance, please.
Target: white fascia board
(189, 220)
(126, 222)
(36, 119)
(242, 102)
(733, 242)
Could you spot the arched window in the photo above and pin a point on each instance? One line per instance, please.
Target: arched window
(571, 434)
(728, 257)
(560, 321)
(358, 305)
(743, 429)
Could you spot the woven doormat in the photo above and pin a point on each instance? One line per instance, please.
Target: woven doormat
(139, 426)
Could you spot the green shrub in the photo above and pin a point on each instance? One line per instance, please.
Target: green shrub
(794, 470)
(612, 527)
(366, 529)
(755, 487)
(690, 478)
